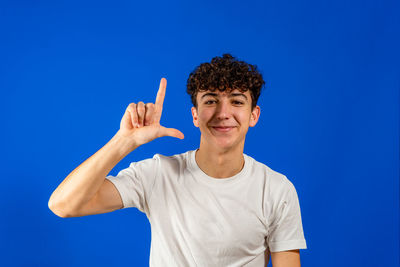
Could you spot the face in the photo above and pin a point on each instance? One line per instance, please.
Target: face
(224, 117)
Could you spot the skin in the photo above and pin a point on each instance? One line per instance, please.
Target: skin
(220, 154)
(141, 122)
(290, 258)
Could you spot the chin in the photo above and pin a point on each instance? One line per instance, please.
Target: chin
(224, 144)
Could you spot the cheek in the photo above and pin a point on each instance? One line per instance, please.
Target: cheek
(243, 117)
(204, 116)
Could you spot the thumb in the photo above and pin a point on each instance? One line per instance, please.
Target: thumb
(171, 132)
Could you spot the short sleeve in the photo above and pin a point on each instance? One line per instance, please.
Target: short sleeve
(285, 228)
(135, 183)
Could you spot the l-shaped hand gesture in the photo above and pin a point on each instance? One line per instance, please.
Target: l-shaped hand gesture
(141, 122)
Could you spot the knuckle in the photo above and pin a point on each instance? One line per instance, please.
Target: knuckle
(132, 111)
(132, 106)
(129, 111)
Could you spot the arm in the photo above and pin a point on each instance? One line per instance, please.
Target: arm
(85, 190)
(83, 183)
(290, 258)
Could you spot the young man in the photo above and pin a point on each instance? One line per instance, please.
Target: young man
(213, 206)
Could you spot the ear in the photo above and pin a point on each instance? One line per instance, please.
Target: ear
(254, 116)
(195, 117)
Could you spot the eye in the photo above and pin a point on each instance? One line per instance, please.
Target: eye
(209, 102)
(237, 102)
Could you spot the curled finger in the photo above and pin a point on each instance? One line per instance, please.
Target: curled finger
(134, 117)
(148, 119)
(141, 113)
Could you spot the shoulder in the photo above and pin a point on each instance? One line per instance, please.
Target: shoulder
(175, 157)
(157, 161)
(174, 161)
(172, 158)
(276, 183)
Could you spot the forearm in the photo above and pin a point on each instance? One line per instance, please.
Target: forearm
(81, 185)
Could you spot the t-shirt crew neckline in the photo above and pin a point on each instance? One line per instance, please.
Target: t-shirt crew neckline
(204, 178)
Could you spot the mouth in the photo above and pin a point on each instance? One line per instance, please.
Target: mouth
(223, 129)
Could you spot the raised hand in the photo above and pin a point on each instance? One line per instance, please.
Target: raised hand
(141, 122)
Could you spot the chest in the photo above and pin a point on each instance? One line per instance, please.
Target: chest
(223, 221)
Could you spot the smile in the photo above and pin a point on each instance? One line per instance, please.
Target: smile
(223, 129)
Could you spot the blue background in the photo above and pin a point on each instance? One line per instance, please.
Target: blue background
(329, 115)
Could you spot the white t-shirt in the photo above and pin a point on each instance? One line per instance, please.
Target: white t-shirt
(198, 220)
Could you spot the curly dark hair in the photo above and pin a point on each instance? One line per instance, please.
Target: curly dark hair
(222, 73)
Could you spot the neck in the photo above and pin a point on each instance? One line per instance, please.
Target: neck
(220, 163)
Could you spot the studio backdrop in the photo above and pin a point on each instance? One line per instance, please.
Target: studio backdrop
(329, 115)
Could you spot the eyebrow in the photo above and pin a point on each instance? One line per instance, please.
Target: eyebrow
(231, 95)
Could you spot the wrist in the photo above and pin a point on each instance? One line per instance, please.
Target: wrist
(125, 143)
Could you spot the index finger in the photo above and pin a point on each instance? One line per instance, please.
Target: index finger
(161, 93)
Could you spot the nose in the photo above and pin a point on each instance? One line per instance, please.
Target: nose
(223, 110)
